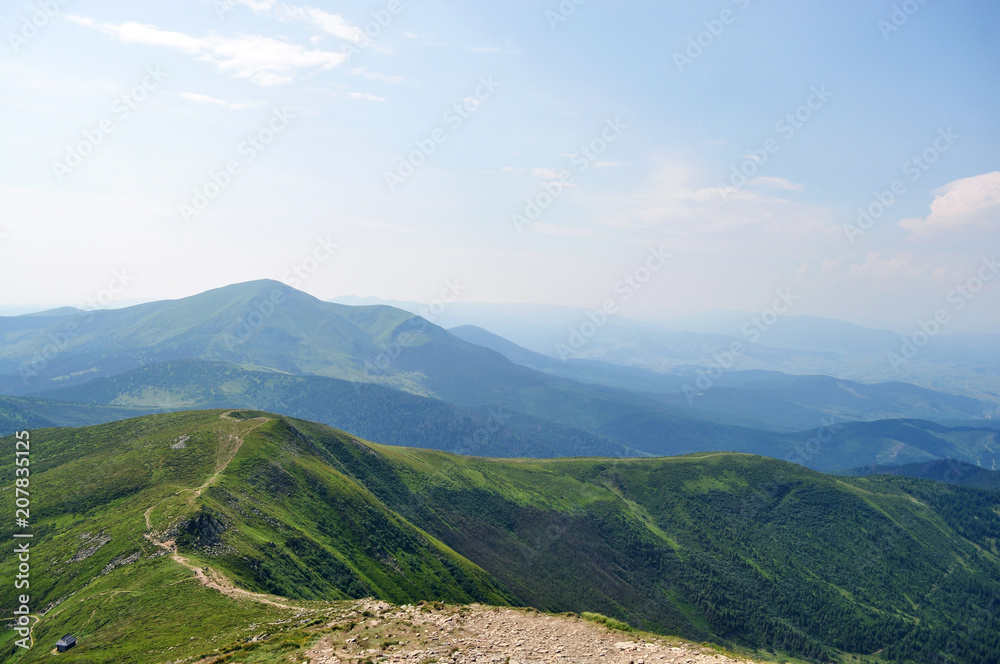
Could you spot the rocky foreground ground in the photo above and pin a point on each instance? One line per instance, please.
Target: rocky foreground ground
(380, 632)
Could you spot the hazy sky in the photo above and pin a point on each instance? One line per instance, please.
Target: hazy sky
(533, 151)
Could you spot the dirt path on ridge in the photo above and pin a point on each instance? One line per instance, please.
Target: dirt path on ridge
(229, 445)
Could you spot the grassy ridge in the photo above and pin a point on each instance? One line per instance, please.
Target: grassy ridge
(718, 545)
(730, 548)
(275, 521)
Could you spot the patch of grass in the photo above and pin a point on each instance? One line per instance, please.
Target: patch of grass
(610, 623)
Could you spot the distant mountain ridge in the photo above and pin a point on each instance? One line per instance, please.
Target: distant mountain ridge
(374, 411)
(264, 345)
(261, 323)
(759, 399)
(950, 471)
(388, 415)
(961, 363)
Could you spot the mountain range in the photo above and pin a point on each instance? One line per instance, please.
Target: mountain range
(191, 461)
(961, 363)
(393, 377)
(259, 524)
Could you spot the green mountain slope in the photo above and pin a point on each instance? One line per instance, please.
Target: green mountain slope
(723, 547)
(262, 323)
(250, 497)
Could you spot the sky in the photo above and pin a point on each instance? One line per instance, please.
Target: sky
(709, 155)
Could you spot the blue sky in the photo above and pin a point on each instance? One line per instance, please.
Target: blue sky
(310, 106)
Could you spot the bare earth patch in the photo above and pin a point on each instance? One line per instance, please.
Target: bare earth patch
(458, 635)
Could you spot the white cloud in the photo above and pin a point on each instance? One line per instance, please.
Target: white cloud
(382, 226)
(426, 40)
(331, 24)
(549, 174)
(376, 76)
(341, 90)
(205, 99)
(671, 204)
(495, 49)
(256, 5)
(595, 164)
(775, 183)
(364, 95)
(877, 267)
(972, 202)
(263, 60)
(567, 231)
